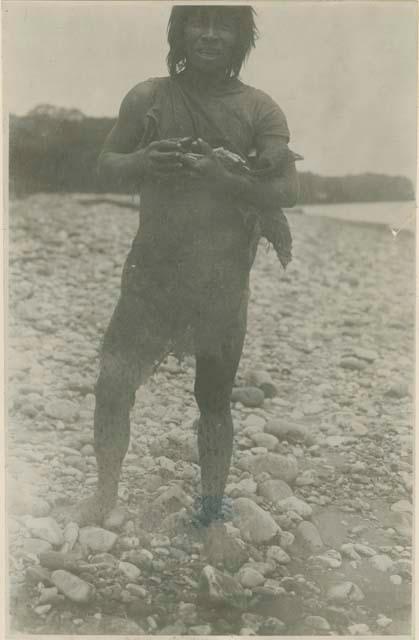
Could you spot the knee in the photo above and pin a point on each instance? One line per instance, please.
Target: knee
(115, 385)
(213, 391)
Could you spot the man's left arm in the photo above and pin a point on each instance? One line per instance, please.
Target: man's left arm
(279, 190)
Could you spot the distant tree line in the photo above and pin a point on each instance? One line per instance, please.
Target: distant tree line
(56, 150)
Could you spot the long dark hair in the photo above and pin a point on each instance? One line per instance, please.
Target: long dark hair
(247, 30)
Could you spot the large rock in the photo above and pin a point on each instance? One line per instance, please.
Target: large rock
(278, 466)
(250, 578)
(97, 539)
(45, 529)
(345, 592)
(274, 490)
(220, 589)
(285, 430)
(295, 504)
(307, 535)
(74, 588)
(64, 410)
(248, 396)
(277, 555)
(256, 525)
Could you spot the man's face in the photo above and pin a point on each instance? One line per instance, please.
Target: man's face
(210, 37)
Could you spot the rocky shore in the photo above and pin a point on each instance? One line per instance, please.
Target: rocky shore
(321, 484)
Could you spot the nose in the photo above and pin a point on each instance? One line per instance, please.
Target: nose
(210, 31)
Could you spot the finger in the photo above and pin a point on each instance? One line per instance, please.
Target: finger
(168, 157)
(204, 147)
(165, 145)
(191, 163)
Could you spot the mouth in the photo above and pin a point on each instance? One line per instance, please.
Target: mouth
(209, 53)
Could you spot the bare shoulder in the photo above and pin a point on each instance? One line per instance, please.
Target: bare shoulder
(139, 99)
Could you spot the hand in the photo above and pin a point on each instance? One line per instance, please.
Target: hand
(203, 163)
(161, 159)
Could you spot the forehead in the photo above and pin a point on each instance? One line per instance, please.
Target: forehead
(204, 13)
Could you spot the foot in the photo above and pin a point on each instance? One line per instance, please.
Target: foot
(90, 511)
(209, 509)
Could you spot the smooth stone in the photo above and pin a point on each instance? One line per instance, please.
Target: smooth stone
(382, 562)
(97, 539)
(129, 570)
(64, 410)
(364, 550)
(286, 539)
(248, 396)
(70, 534)
(345, 591)
(48, 595)
(295, 504)
(383, 622)
(45, 529)
(245, 488)
(348, 550)
(278, 555)
(43, 609)
(317, 623)
(263, 381)
(250, 578)
(353, 364)
(265, 440)
(359, 630)
(272, 626)
(256, 525)
(397, 390)
(396, 579)
(308, 535)
(221, 589)
(114, 519)
(265, 568)
(74, 588)
(278, 466)
(136, 590)
(143, 559)
(274, 490)
(284, 430)
(252, 621)
(306, 478)
(200, 630)
(255, 422)
(365, 354)
(402, 506)
(36, 546)
(331, 559)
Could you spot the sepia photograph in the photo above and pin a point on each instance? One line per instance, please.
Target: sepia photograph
(209, 311)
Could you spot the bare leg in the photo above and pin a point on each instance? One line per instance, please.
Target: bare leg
(215, 375)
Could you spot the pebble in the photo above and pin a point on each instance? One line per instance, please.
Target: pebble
(278, 466)
(256, 525)
(43, 609)
(64, 410)
(97, 539)
(265, 440)
(130, 571)
(70, 535)
(45, 529)
(200, 630)
(277, 555)
(306, 478)
(353, 364)
(345, 591)
(397, 390)
(136, 590)
(308, 535)
(365, 354)
(143, 559)
(284, 430)
(317, 623)
(295, 504)
(364, 550)
(87, 450)
(349, 551)
(35, 546)
(382, 562)
(73, 587)
(272, 626)
(248, 396)
(274, 490)
(331, 559)
(359, 630)
(221, 589)
(262, 380)
(402, 506)
(250, 578)
(255, 422)
(396, 579)
(245, 488)
(286, 539)
(383, 622)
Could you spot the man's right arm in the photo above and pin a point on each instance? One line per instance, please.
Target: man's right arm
(120, 162)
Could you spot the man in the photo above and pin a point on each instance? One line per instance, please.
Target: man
(188, 269)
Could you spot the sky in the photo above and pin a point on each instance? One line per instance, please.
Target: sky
(343, 72)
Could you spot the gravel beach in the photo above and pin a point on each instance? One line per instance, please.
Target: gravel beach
(321, 483)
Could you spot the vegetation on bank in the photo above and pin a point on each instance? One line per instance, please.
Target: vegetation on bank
(55, 150)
